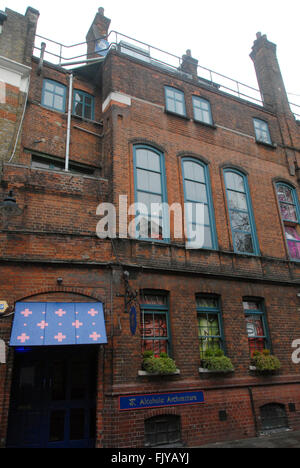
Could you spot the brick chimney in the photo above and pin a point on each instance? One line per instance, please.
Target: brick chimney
(269, 75)
(97, 31)
(189, 64)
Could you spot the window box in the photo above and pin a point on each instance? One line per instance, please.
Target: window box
(264, 363)
(204, 370)
(143, 373)
(160, 364)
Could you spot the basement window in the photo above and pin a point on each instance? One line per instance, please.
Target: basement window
(55, 164)
(163, 431)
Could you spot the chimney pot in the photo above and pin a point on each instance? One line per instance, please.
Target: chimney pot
(101, 11)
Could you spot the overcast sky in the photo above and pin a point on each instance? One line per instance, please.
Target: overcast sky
(220, 33)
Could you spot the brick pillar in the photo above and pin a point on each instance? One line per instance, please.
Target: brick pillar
(97, 31)
(269, 75)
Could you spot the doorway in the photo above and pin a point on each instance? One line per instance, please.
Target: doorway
(53, 398)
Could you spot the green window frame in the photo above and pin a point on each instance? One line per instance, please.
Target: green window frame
(155, 327)
(54, 95)
(150, 188)
(210, 324)
(256, 325)
(202, 110)
(290, 215)
(240, 213)
(83, 105)
(197, 191)
(175, 101)
(262, 132)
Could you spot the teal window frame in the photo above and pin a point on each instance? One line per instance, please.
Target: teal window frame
(177, 99)
(54, 94)
(287, 222)
(156, 309)
(248, 212)
(208, 204)
(163, 217)
(199, 104)
(211, 311)
(262, 131)
(260, 311)
(84, 104)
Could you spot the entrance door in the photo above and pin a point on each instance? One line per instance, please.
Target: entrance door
(53, 399)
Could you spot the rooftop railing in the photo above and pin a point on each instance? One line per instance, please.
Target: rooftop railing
(76, 54)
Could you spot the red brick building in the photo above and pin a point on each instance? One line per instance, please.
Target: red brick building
(118, 122)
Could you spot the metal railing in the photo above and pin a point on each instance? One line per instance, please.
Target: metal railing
(68, 55)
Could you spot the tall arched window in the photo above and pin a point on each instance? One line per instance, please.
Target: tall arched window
(240, 213)
(150, 194)
(290, 215)
(197, 193)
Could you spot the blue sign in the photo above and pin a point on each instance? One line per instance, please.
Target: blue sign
(158, 400)
(133, 322)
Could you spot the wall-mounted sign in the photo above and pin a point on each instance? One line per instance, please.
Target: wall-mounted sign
(133, 320)
(158, 400)
(3, 307)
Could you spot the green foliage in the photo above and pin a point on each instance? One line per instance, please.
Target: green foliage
(215, 360)
(265, 362)
(158, 365)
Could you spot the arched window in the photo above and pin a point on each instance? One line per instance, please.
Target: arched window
(240, 213)
(197, 194)
(150, 194)
(163, 430)
(290, 215)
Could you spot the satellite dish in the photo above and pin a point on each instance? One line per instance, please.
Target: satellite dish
(101, 47)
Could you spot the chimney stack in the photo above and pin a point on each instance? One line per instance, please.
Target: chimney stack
(189, 64)
(97, 31)
(269, 75)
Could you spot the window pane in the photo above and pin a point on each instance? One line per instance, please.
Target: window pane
(58, 102)
(293, 241)
(49, 86)
(240, 221)
(243, 242)
(147, 160)
(255, 326)
(206, 302)
(234, 181)
(88, 112)
(147, 199)
(284, 194)
(155, 299)
(78, 97)
(195, 191)
(59, 90)
(193, 171)
(149, 181)
(208, 325)
(237, 201)
(288, 212)
(251, 305)
(48, 99)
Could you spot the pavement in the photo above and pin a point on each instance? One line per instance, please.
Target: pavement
(285, 439)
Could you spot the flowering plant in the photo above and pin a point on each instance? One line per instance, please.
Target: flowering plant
(158, 364)
(265, 362)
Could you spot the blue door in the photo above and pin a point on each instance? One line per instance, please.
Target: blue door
(53, 399)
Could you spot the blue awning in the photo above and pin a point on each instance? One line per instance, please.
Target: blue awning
(55, 323)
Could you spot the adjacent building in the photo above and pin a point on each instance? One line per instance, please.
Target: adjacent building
(120, 126)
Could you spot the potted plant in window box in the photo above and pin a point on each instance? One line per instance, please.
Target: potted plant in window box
(263, 362)
(154, 364)
(215, 361)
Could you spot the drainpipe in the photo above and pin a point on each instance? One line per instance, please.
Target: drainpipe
(69, 123)
(253, 410)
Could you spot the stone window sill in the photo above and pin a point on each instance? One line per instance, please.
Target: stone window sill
(142, 373)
